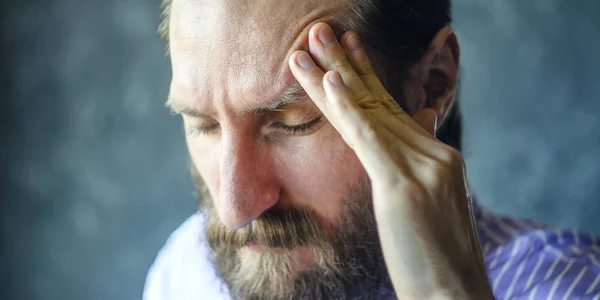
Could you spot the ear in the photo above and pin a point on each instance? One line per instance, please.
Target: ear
(435, 76)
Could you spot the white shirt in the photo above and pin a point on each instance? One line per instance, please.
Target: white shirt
(182, 269)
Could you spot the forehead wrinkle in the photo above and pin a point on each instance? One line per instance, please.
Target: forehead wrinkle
(228, 55)
(293, 94)
(299, 41)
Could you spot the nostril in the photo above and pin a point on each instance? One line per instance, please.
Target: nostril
(248, 184)
(237, 210)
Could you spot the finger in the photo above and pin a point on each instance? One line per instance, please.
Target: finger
(357, 131)
(310, 77)
(396, 120)
(357, 56)
(329, 55)
(343, 112)
(409, 130)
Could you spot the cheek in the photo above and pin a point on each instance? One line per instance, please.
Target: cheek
(318, 174)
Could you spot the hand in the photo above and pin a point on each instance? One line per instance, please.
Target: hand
(420, 197)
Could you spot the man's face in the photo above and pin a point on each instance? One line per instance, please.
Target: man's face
(288, 206)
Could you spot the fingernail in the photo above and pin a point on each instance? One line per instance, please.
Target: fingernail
(335, 78)
(305, 61)
(353, 42)
(326, 35)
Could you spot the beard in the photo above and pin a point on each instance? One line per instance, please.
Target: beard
(346, 258)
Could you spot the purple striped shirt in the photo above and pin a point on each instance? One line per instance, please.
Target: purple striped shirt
(525, 260)
(529, 260)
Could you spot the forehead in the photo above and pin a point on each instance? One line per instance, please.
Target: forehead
(226, 50)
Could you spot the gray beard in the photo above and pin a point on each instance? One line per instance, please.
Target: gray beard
(348, 262)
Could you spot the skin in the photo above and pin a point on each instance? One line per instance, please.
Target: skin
(247, 164)
(418, 183)
(244, 54)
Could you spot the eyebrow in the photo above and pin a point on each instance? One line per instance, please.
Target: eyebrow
(293, 94)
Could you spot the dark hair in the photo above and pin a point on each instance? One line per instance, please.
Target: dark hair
(401, 30)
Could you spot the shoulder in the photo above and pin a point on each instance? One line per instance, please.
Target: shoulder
(182, 269)
(527, 260)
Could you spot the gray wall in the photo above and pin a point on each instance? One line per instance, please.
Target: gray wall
(94, 168)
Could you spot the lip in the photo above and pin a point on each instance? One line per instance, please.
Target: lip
(255, 247)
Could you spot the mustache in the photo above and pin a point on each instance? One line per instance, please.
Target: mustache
(275, 228)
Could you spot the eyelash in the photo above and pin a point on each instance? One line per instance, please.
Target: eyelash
(298, 128)
(196, 131)
(295, 129)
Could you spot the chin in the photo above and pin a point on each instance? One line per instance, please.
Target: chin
(296, 261)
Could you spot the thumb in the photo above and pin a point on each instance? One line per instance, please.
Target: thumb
(427, 118)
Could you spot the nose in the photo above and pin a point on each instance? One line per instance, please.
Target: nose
(248, 185)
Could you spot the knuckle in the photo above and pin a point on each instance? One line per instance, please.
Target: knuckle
(364, 65)
(340, 63)
(437, 171)
(444, 166)
(369, 104)
(388, 102)
(451, 157)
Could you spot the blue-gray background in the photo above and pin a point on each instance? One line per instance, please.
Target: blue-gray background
(94, 169)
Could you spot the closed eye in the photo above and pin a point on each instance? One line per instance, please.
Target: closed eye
(299, 128)
(203, 130)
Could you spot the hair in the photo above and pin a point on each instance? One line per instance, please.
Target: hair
(399, 29)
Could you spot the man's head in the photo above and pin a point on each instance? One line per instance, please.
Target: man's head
(288, 204)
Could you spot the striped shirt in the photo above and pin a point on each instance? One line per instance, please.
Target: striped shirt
(529, 260)
(525, 260)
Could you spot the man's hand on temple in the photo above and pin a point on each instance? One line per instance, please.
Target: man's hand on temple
(420, 196)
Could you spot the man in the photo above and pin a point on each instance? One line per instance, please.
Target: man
(311, 127)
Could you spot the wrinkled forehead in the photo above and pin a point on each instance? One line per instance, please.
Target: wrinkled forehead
(248, 41)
